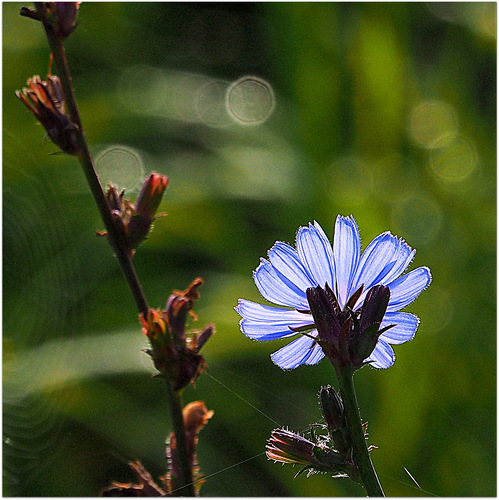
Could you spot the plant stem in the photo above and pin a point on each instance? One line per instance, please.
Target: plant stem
(361, 458)
(114, 236)
(185, 484)
(120, 248)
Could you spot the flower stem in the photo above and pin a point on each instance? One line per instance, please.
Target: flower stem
(114, 236)
(120, 248)
(361, 458)
(185, 484)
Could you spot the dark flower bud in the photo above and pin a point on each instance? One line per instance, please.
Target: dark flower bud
(325, 314)
(332, 408)
(46, 101)
(58, 17)
(179, 305)
(374, 307)
(333, 413)
(368, 330)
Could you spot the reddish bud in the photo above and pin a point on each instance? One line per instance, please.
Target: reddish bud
(144, 211)
(46, 101)
(134, 222)
(175, 353)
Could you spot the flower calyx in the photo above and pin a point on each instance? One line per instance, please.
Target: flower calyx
(348, 336)
(45, 100)
(134, 221)
(174, 351)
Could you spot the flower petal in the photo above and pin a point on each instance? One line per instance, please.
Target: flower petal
(314, 250)
(406, 288)
(346, 249)
(285, 259)
(405, 329)
(382, 356)
(261, 322)
(276, 288)
(316, 355)
(384, 259)
(403, 257)
(295, 353)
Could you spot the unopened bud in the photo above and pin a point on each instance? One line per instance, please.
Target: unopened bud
(46, 101)
(332, 408)
(58, 17)
(290, 448)
(368, 329)
(146, 206)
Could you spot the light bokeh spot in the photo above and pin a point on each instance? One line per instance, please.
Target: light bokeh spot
(433, 123)
(211, 107)
(395, 178)
(455, 161)
(250, 100)
(349, 181)
(418, 219)
(120, 165)
(438, 308)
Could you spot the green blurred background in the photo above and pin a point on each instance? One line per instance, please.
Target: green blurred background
(383, 111)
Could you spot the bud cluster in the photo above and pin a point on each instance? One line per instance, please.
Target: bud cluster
(329, 452)
(134, 221)
(174, 351)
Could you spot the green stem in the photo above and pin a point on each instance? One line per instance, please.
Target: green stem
(185, 484)
(361, 458)
(114, 235)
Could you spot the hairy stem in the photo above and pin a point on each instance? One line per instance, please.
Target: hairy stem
(186, 483)
(361, 458)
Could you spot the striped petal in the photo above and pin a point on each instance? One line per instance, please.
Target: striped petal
(384, 259)
(406, 288)
(285, 259)
(276, 288)
(261, 322)
(295, 353)
(316, 355)
(382, 356)
(404, 330)
(346, 249)
(316, 254)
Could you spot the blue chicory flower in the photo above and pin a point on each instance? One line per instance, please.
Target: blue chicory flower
(285, 277)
